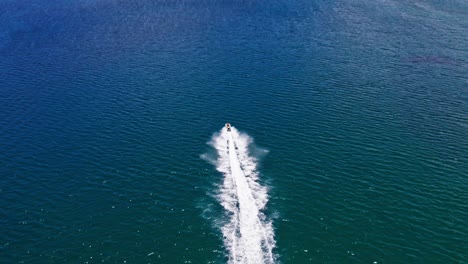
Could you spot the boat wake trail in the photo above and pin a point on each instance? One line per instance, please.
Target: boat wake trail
(248, 235)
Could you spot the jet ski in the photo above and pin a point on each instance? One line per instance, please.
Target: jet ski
(228, 126)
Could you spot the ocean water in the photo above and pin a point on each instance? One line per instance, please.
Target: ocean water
(352, 122)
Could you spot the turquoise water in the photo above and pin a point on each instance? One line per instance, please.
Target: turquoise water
(357, 112)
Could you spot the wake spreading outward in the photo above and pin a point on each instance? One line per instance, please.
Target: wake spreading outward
(248, 235)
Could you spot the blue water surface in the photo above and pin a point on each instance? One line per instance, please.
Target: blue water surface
(106, 107)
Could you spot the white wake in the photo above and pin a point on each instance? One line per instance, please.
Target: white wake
(248, 235)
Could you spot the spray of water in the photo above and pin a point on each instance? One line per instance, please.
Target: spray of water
(248, 235)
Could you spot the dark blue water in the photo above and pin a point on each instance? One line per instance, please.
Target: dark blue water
(106, 107)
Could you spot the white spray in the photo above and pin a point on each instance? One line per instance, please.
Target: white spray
(248, 235)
